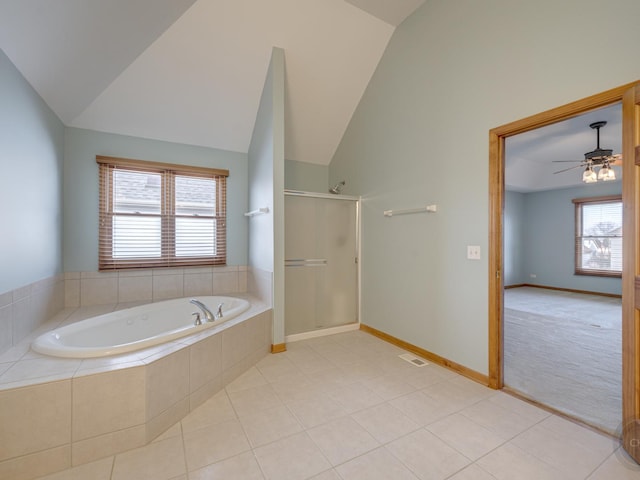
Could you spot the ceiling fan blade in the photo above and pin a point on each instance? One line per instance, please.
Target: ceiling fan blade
(596, 158)
(567, 169)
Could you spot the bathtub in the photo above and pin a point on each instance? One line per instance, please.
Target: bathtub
(134, 328)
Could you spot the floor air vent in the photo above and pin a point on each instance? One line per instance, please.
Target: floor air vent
(418, 362)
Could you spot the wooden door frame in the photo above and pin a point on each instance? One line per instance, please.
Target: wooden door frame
(496, 207)
(630, 428)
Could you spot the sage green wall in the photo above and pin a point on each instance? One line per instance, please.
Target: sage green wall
(307, 177)
(260, 181)
(81, 188)
(266, 187)
(31, 155)
(451, 72)
(549, 239)
(539, 238)
(514, 246)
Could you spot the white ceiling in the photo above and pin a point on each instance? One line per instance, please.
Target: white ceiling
(71, 50)
(192, 71)
(531, 158)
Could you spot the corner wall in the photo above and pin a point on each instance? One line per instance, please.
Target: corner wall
(266, 189)
(539, 239)
(31, 155)
(549, 239)
(307, 177)
(452, 71)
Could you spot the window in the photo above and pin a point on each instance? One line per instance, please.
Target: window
(599, 236)
(160, 215)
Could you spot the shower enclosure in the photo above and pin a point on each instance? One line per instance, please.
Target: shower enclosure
(321, 261)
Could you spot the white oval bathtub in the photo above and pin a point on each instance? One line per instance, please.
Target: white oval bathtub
(134, 328)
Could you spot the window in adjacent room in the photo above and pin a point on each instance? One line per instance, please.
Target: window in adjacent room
(599, 236)
(160, 215)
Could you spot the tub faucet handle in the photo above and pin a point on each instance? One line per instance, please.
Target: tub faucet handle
(219, 311)
(198, 319)
(208, 315)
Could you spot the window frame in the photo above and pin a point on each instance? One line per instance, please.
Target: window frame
(579, 235)
(168, 258)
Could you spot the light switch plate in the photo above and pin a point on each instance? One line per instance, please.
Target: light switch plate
(473, 252)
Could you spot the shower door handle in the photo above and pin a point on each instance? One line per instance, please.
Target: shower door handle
(305, 262)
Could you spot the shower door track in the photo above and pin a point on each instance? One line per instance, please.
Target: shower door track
(331, 196)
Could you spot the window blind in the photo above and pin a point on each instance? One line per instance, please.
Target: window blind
(598, 239)
(160, 215)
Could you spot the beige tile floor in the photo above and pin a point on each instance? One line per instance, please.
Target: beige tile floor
(346, 407)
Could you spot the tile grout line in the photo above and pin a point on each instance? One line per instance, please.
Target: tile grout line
(508, 441)
(184, 451)
(113, 467)
(349, 415)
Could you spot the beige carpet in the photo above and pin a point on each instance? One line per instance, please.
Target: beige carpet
(563, 350)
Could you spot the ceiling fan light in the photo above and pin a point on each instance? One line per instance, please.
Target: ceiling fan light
(589, 176)
(609, 174)
(603, 172)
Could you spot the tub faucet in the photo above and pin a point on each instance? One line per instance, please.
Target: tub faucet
(219, 311)
(207, 313)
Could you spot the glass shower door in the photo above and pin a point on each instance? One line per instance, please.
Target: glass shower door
(321, 263)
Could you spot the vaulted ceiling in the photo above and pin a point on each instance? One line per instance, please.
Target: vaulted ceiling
(192, 71)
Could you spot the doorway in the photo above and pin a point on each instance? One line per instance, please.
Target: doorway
(630, 96)
(562, 327)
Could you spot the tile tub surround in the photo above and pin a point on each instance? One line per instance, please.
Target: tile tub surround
(56, 413)
(28, 307)
(260, 284)
(151, 285)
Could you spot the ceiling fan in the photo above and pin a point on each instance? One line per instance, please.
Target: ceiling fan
(600, 157)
